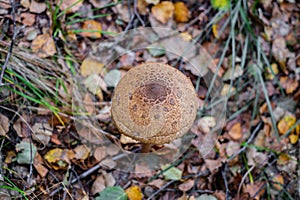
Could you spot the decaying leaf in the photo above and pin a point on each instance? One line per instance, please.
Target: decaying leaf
(82, 152)
(39, 165)
(26, 152)
(181, 12)
(98, 185)
(4, 125)
(278, 181)
(100, 153)
(163, 11)
(42, 133)
(59, 159)
(37, 7)
(134, 193)
(286, 123)
(187, 185)
(289, 84)
(235, 132)
(43, 45)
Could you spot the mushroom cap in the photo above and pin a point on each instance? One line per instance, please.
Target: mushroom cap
(154, 103)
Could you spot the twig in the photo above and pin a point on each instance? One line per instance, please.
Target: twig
(8, 55)
(224, 171)
(161, 189)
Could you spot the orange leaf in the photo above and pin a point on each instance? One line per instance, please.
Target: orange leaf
(235, 131)
(92, 28)
(278, 181)
(43, 45)
(163, 11)
(181, 12)
(286, 123)
(134, 193)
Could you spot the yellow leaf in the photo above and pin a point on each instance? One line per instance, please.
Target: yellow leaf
(181, 12)
(186, 36)
(293, 138)
(59, 158)
(163, 11)
(285, 124)
(134, 193)
(215, 31)
(92, 29)
(221, 4)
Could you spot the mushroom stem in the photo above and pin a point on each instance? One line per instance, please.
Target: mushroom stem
(146, 148)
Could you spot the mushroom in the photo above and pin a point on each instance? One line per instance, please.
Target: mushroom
(154, 103)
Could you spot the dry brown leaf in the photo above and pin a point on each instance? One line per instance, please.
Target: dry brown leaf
(213, 165)
(187, 185)
(27, 19)
(25, 3)
(4, 125)
(289, 84)
(98, 185)
(109, 179)
(278, 181)
(127, 140)
(37, 7)
(112, 149)
(142, 7)
(90, 66)
(100, 153)
(92, 29)
(90, 135)
(163, 11)
(70, 6)
(235, 131)
(255, 189)
(134, 193)
(181, 12)
(89, 104)
(280, 52)
(43, 45)
(38, 164)
(158, 183)
(82, 152)
(41, 133)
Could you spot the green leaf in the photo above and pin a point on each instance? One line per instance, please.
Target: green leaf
(220, 4)
(156, 50)
(172, 173)
(24, 149)
(112, 78)
(206, 197)
(112, 193)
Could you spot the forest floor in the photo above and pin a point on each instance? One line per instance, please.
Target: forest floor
(60, 62)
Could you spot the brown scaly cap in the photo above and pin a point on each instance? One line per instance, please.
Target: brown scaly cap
(154, 103)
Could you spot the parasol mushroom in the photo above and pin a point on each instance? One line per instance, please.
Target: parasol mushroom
(154, 103)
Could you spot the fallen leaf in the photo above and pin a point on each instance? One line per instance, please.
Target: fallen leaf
(127, 140)
(231, 75)
(27, 19)
(90, 66)
(206, 197)
(9, 157)
(270, 74)
(220, 4)
(94, 83)
(112, 149)
(181, 12)
(255, 189)
(70, 6)
(152, 1)
(26, 152)
(109, 179)
(158, 183)
(89, 104)
(38, 165)
(59, 159)
(187, 185)
(289, 84)
(100, 153)
(25, 3)
(163, 11)
(278, 181)
(186, 36)
(43, 45)
(142, 6)
(285, 124)
(172, 173)
(98, 185)
(280, 52)
(82, 152)
(91, 29)
(228, 90)
(235, 132)
(42, 133)
(134, 193)
(4, 125)
(112, 193)
(112, 78)
(37, 7)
